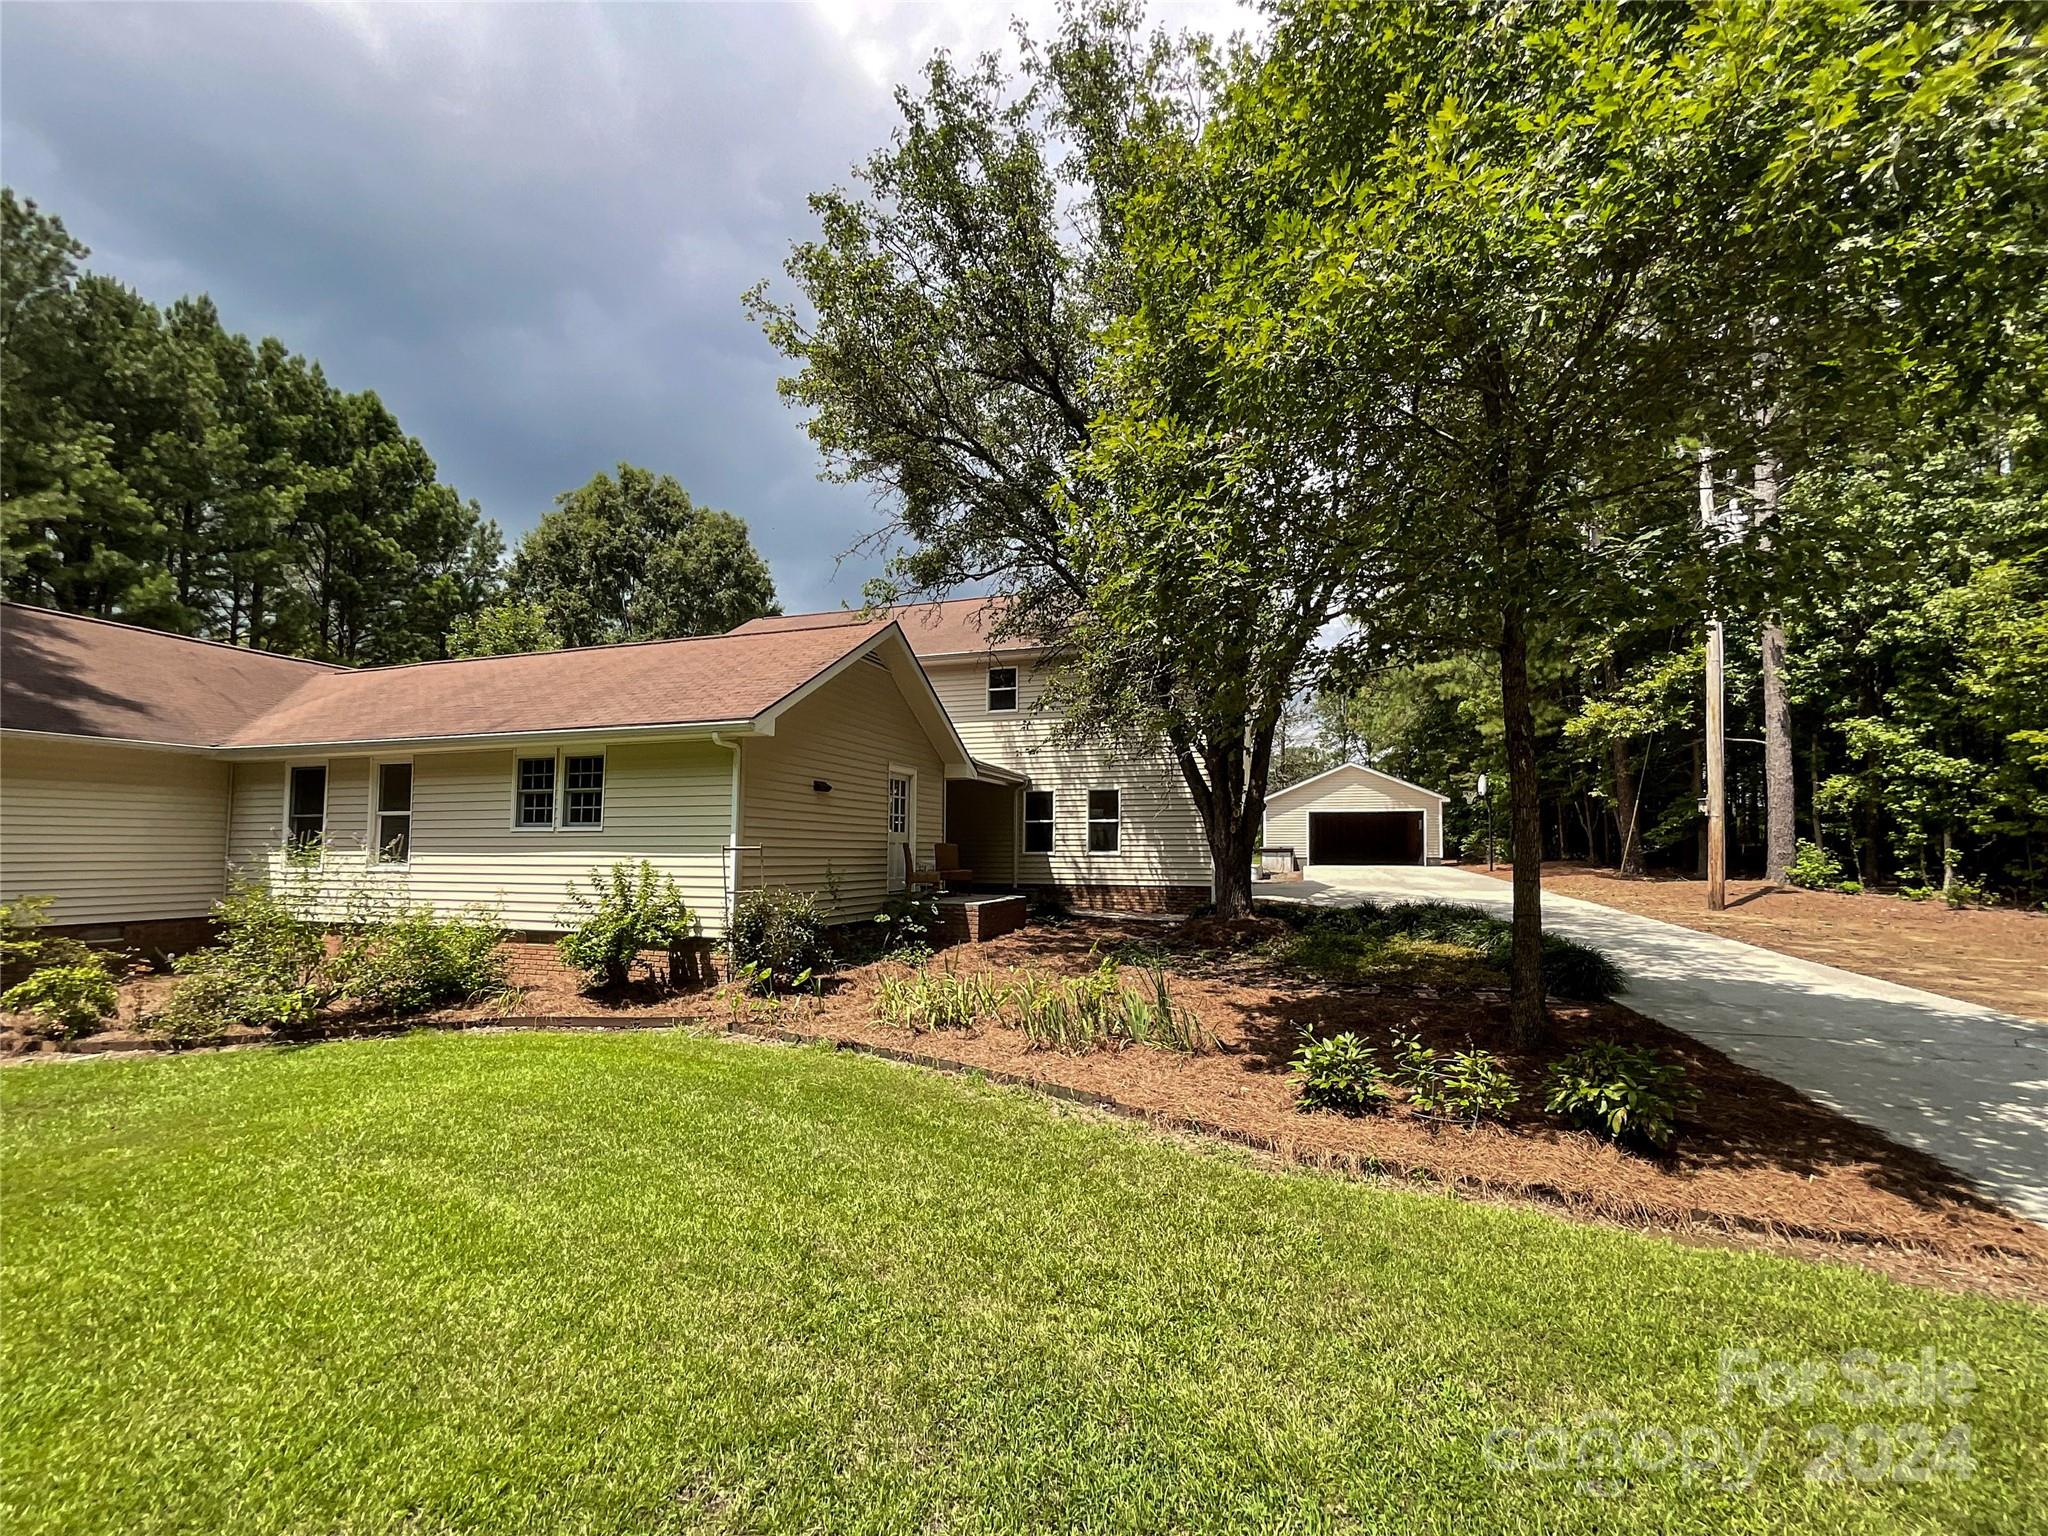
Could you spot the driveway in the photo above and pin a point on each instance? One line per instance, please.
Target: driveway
(1963, 1082)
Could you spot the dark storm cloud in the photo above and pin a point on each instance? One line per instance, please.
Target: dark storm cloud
(527, 228)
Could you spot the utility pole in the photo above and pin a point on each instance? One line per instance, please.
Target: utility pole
(1717, 776)
(1780, 812)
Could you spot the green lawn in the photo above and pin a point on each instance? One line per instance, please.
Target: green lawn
(661, 1283)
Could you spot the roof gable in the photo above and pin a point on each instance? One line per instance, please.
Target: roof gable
(1363, 769)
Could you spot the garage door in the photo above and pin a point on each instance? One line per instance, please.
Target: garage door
(1365, 837)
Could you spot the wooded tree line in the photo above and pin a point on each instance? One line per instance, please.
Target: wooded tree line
(1424, 319)
(1916, 674)
(159, 469)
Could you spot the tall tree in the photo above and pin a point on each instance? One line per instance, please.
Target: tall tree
(156, 468)
(634, 558)
(1513, 258)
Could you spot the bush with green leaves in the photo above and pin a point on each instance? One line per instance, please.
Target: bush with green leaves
(1813, 868)
(26, 948)
(269, 969)
(414, 959)
(618, 914)
(777, 938)
(69, 1000)
(909, 924)
(1631, 1093)
(1850, 887)
(1470, 1085)
(1340, 1072)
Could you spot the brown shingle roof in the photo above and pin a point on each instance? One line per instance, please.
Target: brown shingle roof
(960, 626)
(94, 678)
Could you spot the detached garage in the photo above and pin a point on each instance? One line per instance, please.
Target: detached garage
(1357, 815)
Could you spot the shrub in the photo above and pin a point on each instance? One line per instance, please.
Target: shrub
(1341, 1073)
(622, 912)
(1464, 1085)
(74, 998)
(1628, 1092)
(1572, 969)
(909, 925)
(1813, 868)
(1850, 887)
(414, 960)
(25, 948)
(777, 938)
(270, 969)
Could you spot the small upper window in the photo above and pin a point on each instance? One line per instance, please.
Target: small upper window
(394, 813)
(1002, 689)
(307, 814)
(1038, 821)
(1105, 819)
(536, 803)
(583, 791)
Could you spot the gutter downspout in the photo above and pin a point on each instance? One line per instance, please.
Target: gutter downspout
(729, 864)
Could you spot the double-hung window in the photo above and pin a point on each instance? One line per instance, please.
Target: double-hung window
(306, 812)
(394, 813)
(1038, 821)
(1002, 690)
(535, 803)
(583, 791)
(559, 793)
(1105, 819)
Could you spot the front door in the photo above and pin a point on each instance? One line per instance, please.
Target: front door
(902, 817)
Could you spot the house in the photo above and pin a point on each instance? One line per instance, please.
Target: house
(1355, 814)
(137, 769)
(825, 752)
(1102, 823)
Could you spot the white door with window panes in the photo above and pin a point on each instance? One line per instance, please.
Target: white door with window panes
(902, 817)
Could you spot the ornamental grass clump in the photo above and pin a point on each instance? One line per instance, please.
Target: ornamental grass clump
(934, 1000)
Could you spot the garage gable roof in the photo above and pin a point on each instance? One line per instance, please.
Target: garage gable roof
(1355, 768)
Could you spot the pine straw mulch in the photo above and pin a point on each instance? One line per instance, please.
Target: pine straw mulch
(1757, 1163)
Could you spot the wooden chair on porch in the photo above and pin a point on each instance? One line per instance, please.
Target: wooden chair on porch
(913, 877)
(946, 856)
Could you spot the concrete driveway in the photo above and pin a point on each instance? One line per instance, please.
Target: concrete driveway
(1963, 1082)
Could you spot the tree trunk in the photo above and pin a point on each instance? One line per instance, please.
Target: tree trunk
(1233, 842)
(1525, 816)
(1631, 860)
(1781, 810)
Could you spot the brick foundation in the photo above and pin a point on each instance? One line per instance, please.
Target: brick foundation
(980, 918)
(1129, 898)
(156, 939)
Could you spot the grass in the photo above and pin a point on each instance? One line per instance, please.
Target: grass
(658, 1283)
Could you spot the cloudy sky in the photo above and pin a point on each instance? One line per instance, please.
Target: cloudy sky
(527, 227)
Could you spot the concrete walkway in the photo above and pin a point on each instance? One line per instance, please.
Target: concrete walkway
(1963, 1082)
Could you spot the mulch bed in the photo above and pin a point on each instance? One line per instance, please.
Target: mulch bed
(1757, 1164)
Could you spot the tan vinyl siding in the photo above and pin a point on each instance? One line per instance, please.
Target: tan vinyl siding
(115, 834)
(847, 734)
(1161, 840)
(1348, 789)
(667, 802)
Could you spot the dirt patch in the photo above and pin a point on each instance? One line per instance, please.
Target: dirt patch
(1997, 957)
